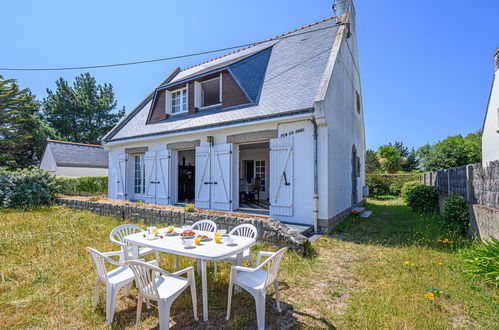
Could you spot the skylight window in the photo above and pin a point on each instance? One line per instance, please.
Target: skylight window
(179, 100)
(210, 92)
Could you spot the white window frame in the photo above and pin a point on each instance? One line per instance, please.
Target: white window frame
(202, 93)
(183, 107)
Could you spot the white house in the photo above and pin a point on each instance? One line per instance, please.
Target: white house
(490, 129)
(74, 159)
(274, 128)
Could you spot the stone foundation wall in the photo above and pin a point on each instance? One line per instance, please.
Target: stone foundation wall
(325, 226)
(269, 230)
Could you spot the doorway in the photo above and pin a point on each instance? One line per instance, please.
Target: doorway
(186, 160)
(254, 176)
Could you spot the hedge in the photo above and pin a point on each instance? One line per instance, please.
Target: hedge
(394, 182)
(81, 185)
(26, 188)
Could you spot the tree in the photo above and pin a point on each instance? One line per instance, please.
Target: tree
(23, 134)
(83, 112)
(372, 163)
(453, 151)
(390, 157)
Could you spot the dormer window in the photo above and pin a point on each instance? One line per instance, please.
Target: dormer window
(179, 101)
(211, 92)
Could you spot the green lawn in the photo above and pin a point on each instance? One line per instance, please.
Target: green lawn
(363, 282)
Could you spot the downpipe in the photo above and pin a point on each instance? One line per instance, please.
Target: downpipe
(316, 179)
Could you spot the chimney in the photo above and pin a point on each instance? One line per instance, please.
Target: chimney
(496, 59)
(341, 7)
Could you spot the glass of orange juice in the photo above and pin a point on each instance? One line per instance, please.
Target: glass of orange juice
(197, 240)
(217, 238)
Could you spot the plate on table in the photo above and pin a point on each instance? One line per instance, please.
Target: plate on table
(205, 238)
(171, 234)
(188, 233)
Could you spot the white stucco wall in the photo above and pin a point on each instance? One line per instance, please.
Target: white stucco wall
(490, 134)
(345, 128)
(48, 162)
(80, 171)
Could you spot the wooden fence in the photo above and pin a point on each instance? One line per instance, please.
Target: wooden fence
(476, 183)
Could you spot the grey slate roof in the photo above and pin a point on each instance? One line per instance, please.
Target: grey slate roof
(294, 72)
(78, 155)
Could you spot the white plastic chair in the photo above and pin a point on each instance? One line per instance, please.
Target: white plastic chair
(245, 230)
(157, 284)
(115, 279)
(117, 235)
(204, 225)
(256, 280)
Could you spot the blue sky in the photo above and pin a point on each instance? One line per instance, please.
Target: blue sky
(426, 66)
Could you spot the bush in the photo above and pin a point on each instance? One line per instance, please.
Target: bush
(377, 185)
(482, 259)
(395, 188)
(81, 185)
(423, 199)
(189, 208)
(456, 212)
(25, 188)
(408, 186)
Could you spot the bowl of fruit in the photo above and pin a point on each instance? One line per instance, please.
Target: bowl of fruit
(188, 233)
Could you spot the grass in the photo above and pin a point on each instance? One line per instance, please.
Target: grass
(363, 282)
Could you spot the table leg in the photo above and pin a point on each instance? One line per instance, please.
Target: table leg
(135, 252)
(205, 289)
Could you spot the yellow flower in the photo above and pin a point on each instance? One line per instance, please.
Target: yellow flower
(430, 296)
(440, 263)
(434, 291)
(407, 262)
(413, 264)
(441, 292)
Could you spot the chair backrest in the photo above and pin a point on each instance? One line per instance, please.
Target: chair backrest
(99, 263)
(118, 233)
(272, 265)
(258, 184)
(245, 230)
(145, 277)
(205, 225)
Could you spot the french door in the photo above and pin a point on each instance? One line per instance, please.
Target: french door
(214, 177)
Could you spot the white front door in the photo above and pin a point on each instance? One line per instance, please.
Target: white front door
(203, 177)
(163, 177)
(281, 176)
(221, 177)
(121, 177)
(214, 168)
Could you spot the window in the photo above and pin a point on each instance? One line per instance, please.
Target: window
(139, 175)
(260, 173)
(357, 99)
(179, 100)
(210, 92)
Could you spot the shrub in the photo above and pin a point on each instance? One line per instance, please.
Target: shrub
(189, 208)
(81, 185)
(377, 185)
(482, 259)
(396, 188)
(456, 212)
(408, 186)
(26, 188)
(423, 199)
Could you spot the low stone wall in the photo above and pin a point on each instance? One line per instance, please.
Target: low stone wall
(269, 230)
(484, 220)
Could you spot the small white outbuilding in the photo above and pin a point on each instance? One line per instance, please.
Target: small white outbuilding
(74, 159)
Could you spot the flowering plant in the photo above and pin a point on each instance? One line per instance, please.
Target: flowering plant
(434, 292)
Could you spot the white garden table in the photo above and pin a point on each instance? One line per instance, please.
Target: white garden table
(205, 251)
